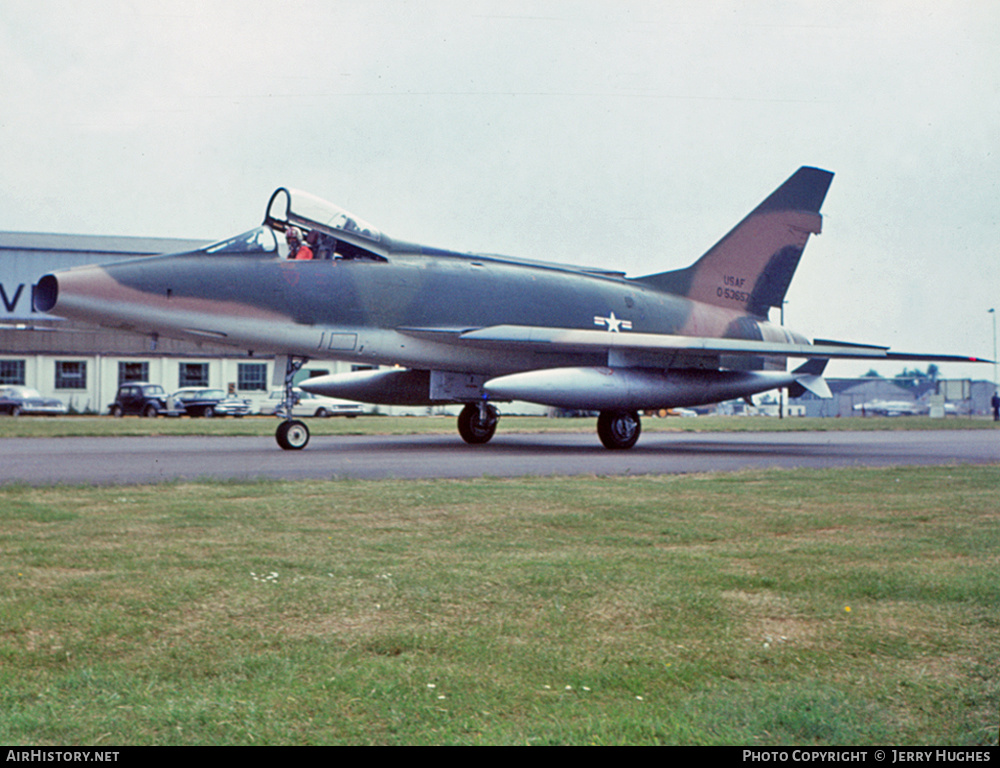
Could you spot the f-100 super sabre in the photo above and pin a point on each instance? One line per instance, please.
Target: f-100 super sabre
(433, 326)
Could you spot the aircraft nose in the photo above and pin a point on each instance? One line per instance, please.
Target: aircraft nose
(80, 293)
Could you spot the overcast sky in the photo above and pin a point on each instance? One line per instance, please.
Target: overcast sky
(630, 135)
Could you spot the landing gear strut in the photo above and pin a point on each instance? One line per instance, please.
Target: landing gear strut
(618, 430)
(477, 423)
(292, 435)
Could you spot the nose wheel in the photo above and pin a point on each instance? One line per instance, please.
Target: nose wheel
(292, 435)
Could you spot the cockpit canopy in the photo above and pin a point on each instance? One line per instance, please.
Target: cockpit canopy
(300, 209)
(338, 234)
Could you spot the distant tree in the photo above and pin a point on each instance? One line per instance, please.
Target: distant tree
(914, 377)
(873, 374)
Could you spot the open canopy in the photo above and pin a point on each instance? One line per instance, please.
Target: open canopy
(292, 207)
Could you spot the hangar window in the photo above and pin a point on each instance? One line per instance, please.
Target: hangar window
(252, 377)
(12, 372)
(192, 375)
(131, 371)
(71, 374)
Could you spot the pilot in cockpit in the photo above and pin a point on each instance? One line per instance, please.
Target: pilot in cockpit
(297, 248)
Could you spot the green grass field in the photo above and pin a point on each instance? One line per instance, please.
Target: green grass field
(853, 606)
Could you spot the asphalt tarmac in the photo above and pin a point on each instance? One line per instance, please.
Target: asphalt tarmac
(113, 460)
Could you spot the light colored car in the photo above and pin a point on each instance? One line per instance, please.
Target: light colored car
(15, 400)
(308, 404)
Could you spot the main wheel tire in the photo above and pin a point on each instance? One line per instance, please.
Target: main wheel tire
(292, 435)
(474, 429)
(117, 412)
(150, 411)
(208, 412)
(618, 430)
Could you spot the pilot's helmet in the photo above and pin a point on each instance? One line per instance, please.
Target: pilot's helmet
(293, 235)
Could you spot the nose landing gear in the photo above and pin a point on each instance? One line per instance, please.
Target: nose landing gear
(291, 435)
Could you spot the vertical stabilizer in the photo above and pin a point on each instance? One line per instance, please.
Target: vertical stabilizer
(751, 268)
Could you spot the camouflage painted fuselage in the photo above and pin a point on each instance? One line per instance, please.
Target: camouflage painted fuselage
(401, 311)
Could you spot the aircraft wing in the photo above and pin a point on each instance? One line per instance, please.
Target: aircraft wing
(583, 340)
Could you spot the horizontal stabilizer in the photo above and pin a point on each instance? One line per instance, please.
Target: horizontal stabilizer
(935, 358)
(883, 352)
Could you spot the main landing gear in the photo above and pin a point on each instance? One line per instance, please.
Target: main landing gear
(292, 435)
(477, 423)
(618, 430)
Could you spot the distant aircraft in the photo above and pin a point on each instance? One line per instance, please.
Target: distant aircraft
(891, 408)
(478, 329)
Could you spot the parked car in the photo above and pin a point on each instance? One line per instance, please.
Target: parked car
(16, 400)
(202, 401)
(139, 397)
(308, 404)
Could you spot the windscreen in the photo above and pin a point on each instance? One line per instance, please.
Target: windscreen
(259, 240)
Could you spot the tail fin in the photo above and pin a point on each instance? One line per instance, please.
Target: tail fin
(751, 267)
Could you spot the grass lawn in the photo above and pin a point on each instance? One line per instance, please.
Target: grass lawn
(855, 606)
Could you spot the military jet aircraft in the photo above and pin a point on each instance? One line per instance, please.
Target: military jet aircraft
(891, 408)
(477, 329)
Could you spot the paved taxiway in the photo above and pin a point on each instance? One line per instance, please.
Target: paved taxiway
(107, 460)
